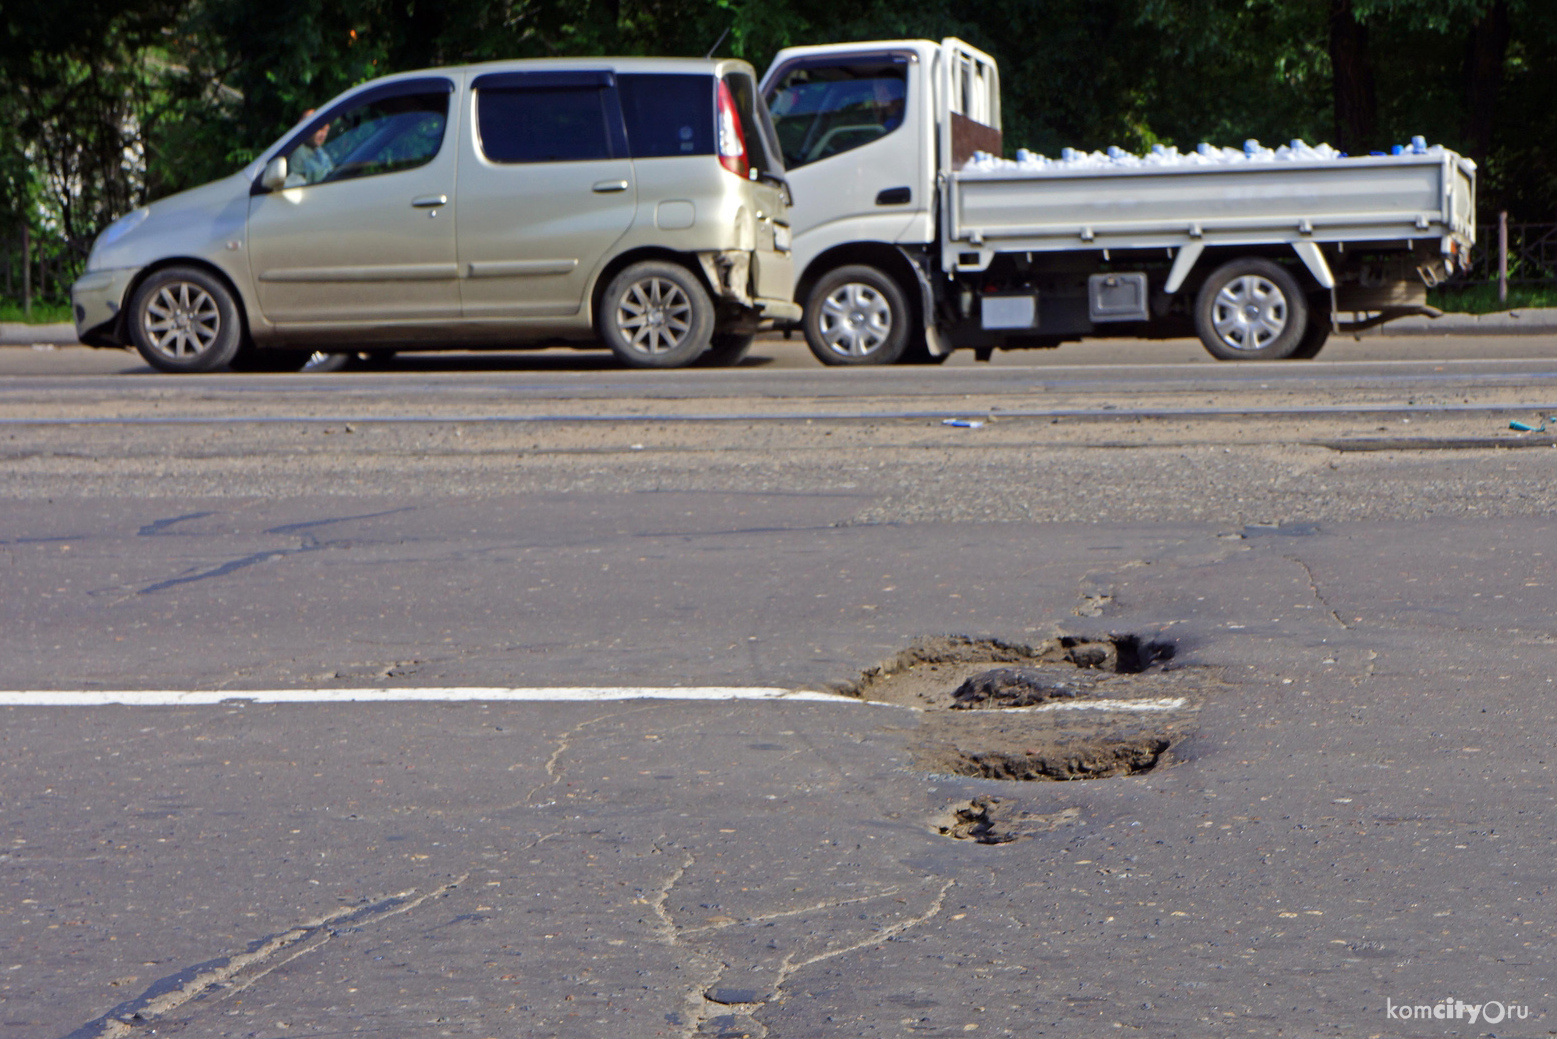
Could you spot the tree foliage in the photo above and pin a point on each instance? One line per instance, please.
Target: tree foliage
(107, 103)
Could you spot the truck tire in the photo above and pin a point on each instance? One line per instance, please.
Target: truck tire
(183, 319)
(857, 315)
(918, 352)
(1318, 331)
(1251, 310)
(656, 314)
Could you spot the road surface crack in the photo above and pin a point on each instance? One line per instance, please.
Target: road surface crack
(708, 969)
(788, 968)
(216, 979)
(1313, 586)
(554, 772)
(765, 917)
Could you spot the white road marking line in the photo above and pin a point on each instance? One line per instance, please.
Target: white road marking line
(579, 694)
(535, 694)
(1163, 703)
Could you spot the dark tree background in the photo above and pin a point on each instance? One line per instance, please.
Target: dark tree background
(105, 104)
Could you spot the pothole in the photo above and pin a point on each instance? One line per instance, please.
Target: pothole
(996, 820)
(1063, 709)
(932, 668)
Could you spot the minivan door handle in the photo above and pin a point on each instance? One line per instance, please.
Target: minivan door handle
(605, 187)
(895, 197)
(430, 201)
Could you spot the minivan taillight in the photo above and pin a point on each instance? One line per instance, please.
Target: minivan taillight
(732, 138)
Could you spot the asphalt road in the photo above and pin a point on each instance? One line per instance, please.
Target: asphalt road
(1351, 562)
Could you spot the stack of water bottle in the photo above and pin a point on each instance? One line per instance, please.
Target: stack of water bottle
(1253, 151)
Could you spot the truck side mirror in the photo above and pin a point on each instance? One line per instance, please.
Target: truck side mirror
(275, 175)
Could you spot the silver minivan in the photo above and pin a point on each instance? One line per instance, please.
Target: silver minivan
(635, 202)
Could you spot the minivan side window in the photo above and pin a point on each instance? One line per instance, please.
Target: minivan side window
(544, 123)
(667, 114)
(382, 135)
(825, 111)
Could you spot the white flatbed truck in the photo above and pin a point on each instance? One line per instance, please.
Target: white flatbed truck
(906, 250)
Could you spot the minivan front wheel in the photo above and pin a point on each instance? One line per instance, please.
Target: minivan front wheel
(656, 315)
(183, 319)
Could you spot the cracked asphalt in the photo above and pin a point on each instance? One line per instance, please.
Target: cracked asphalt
(1360, 817)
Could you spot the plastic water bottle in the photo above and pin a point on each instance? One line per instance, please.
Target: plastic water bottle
(1419, 145)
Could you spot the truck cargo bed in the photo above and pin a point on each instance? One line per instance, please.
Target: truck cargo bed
(1375, 198)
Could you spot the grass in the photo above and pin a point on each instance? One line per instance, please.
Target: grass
(42, 313)
(1483, 299)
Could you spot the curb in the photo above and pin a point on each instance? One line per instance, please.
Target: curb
(42, 335)
(1530, 321)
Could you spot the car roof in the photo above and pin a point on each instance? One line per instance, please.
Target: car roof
(696, 66)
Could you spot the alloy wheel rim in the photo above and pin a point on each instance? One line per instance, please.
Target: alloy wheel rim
(182, 320)
(1249, 312)
(856, 319)
(654, 315)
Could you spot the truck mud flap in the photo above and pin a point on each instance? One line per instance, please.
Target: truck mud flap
(935, 343)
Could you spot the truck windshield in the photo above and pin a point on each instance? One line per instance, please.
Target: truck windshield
(824, 111)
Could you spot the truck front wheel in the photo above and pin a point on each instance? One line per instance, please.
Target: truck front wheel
(1251, 310)
(856, 315)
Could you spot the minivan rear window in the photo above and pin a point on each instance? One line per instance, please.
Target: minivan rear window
(668, 114)
(547, 124)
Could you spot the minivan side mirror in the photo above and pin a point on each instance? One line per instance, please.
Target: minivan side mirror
(275, 175)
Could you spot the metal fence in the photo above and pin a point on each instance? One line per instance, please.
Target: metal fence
(1532, 254)
(36, 270)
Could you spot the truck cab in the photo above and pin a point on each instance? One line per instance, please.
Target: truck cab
(860, 129)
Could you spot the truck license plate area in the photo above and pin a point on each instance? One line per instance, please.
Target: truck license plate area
(1010, 311)
(1117, 297)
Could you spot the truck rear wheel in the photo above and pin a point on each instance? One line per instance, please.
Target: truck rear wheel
(856, 315)
(1318, 331)
(1251, 310)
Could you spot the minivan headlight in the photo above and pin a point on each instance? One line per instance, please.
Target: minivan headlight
(116, 230)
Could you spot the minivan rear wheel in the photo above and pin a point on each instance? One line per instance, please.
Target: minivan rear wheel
(656, 315)
(183, 319)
